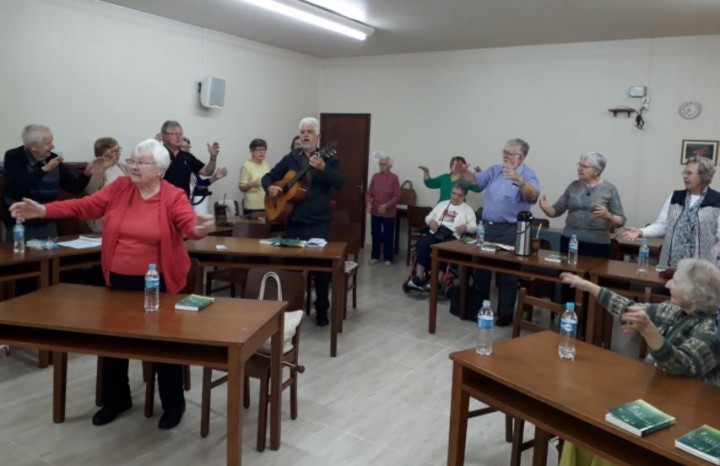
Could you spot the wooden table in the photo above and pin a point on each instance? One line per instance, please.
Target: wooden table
(525, 378)
(227, 228)
(105, 322)
(31, 264)
(599, 326)
(631, 247)
(249, 253)
(470, 256)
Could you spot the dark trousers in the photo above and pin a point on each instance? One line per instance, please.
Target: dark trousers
(306, 231)
(383, 232)
(499, 233)
(115, 383)
(423, 252)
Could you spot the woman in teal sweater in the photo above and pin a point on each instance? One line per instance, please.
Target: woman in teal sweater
(446, 181)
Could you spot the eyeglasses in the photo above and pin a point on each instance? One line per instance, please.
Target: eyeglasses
(133, 162)
(687, 173)
(583, 165)
(176, 133)
(511, 154)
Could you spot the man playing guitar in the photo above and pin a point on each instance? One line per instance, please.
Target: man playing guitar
(310, 218)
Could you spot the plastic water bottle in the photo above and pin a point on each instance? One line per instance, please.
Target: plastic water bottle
(485, 330)
(480, 232)
(568, 332)
(152, 289)
(573, 250)
(18, 237)
(643, 257)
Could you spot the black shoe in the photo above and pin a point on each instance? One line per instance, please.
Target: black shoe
(504, 321)
(321, 319)
(106, 414)
(171, 418)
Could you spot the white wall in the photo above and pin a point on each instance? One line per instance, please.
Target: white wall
(428, 107)
(88, 69)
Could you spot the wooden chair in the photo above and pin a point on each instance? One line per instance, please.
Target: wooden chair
(350, 233)
(524, 300)
(416, 227)
(232, 276)
(191, 286)
(258, 366)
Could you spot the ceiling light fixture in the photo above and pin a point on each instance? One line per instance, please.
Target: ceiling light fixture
(316, 16)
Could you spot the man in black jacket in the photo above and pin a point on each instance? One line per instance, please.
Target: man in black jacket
(310, 218)
(34, 171)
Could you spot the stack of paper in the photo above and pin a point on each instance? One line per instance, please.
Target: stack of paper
(316, 243)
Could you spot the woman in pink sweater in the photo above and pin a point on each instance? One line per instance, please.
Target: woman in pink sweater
(144, 221)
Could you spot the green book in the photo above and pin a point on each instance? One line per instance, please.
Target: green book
(639, 417)
(284, 242)
(703, 442)
(194, 302)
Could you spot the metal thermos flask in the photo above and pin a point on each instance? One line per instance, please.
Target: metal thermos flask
(523, 233)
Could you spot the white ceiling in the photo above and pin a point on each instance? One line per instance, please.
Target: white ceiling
(408, 26)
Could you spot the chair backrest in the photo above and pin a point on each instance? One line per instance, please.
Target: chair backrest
(350, 233)
(416, 216)
(293, 287)
(526, 300)
(615, 253)
(478, 213)
(191, 281)
(251, 230)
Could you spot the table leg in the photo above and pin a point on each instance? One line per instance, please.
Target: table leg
(459, 405)
(336, 309)
(540, 447)
(397, 232)
(59, 385)
(275, 384)
(462, 302)
(432, 318)
(236, 375)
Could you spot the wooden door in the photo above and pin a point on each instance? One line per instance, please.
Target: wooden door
(352, 133)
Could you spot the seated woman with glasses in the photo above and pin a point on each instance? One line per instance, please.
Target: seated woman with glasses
(593, 206)
(449, 220)
(446, 181)
(145, 221)
(690, 218)
(680, 333)
(109, 149)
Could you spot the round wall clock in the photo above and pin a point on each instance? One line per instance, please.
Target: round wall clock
(689, 110)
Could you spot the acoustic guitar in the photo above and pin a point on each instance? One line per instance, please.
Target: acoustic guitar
(294, 189)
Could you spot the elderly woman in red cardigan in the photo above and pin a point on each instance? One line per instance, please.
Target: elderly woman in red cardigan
(144, 221)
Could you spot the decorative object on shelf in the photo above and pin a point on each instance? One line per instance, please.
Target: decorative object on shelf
(690, 110)
(698, 148)
(626, 110)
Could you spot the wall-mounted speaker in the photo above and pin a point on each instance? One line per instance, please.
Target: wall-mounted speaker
(212, 92)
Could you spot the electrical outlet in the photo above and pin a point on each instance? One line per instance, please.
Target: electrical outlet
(646, 103)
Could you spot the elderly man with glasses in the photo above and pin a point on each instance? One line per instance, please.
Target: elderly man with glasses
(35, 172)
(184, 164)
(510, 188)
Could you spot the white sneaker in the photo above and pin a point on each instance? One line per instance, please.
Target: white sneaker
(388, 263)
(373, 261)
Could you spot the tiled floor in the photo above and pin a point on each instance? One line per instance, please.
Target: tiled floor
(383, 401)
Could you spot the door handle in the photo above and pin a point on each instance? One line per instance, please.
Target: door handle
(361, 188)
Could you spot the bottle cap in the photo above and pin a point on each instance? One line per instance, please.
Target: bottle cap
(151, 266)
(570, 306)
(486, 303)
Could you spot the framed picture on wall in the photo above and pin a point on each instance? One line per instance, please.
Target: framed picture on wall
(698, 148)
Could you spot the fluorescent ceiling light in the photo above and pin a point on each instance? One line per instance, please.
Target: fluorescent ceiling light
(316, 16)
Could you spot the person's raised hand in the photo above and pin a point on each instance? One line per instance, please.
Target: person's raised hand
(27, 209)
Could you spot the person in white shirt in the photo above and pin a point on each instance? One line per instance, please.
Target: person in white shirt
(690, 218)
(454, 215)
